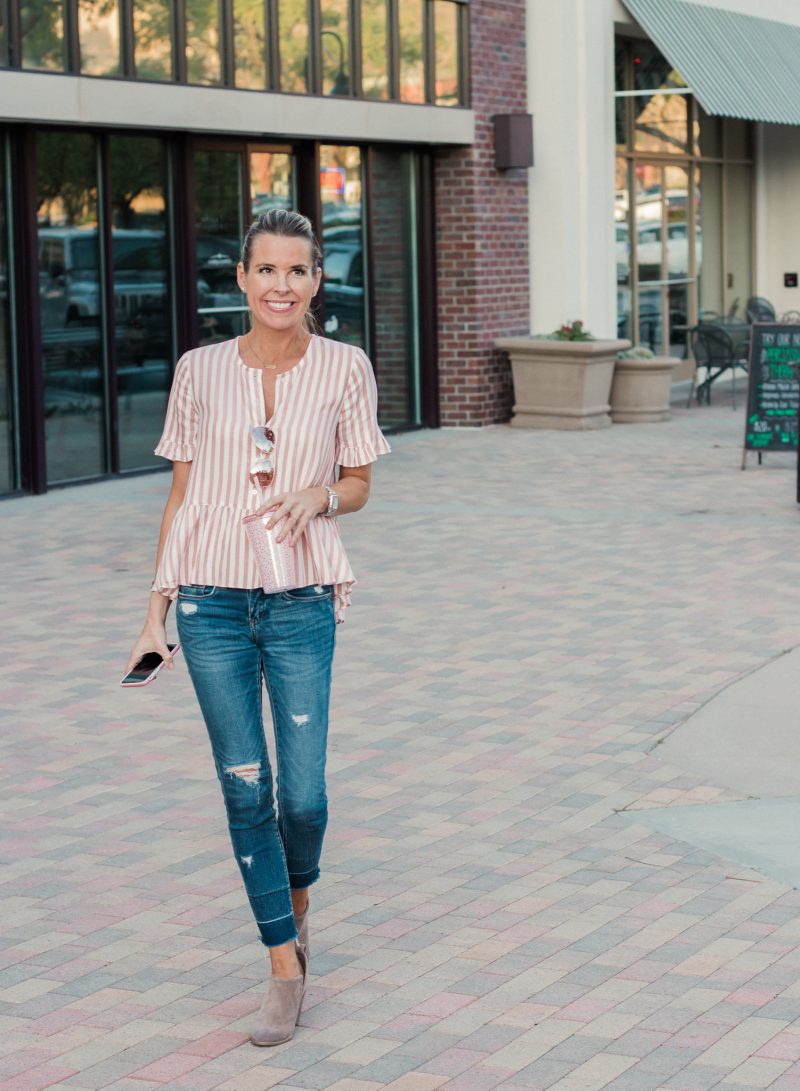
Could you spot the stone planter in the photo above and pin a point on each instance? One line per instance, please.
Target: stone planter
(561, 384)
(640, 390)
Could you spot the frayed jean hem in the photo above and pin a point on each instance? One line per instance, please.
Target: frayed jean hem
(277, 932)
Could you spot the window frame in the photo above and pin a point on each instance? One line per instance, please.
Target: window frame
(178, 42)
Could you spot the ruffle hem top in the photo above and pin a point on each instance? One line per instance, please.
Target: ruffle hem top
(325, 415)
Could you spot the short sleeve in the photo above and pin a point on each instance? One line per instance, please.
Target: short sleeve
(359, 440)
(178, 438)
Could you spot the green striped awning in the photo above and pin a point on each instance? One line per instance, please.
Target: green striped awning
(737, 65)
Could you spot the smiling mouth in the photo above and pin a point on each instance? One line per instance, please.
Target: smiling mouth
(279, 304)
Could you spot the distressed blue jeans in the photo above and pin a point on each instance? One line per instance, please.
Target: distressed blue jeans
(232, 639)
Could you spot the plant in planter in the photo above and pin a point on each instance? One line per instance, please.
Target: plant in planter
(562, 379)
(641, 386)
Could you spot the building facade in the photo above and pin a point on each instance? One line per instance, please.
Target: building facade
(667, 164)
(139, 137)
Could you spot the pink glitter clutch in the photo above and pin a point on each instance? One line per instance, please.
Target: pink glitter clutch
(275, 560)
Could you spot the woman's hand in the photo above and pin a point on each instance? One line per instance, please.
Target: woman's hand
(297, 508)
(153, 638)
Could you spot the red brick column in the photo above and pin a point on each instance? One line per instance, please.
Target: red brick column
(482, 230)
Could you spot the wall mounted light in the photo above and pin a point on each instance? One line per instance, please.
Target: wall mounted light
(513, 141)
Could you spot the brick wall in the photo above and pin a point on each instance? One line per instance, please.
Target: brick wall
(482, 230)
(391, 274)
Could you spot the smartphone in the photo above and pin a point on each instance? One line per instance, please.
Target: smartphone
(147, 668)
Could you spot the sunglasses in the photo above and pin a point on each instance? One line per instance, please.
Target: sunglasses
(263, 469)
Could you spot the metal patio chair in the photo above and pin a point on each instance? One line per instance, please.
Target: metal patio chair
(716, 352)
(760, 309)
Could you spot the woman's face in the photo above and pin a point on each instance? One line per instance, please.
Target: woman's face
(280, 282)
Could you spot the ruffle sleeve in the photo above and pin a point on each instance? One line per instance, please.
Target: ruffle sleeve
(359, 440)
(180, 425)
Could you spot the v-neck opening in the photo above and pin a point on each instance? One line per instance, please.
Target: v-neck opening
(260, 372)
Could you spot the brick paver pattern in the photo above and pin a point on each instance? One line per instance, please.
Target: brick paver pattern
(536, 611)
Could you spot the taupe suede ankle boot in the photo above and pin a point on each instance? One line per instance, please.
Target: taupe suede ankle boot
(280, 1009)
(301, 924)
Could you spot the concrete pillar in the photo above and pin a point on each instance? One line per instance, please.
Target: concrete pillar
(571, 95)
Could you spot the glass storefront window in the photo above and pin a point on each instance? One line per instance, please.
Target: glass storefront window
(661, 123)
(343, 243)
(249, 44)
(660, 109)
(679, 270)
(651, 69)
(393, 229)
(622, 250)
(221, 308)
(152, 39)
(271, 181)
(693, 221)
(42, 32)
(3, 36)
(70, 301)
(446, 62)
(98, 31)
(203, 61)
(7, 459)
(142, 303)
(374, 49)
(293, 35)
(335, 49)
(412, 37)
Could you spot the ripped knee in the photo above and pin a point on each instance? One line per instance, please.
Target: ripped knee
(248, 773)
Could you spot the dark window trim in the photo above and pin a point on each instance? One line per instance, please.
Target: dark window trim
(29, 332)
(108, 332)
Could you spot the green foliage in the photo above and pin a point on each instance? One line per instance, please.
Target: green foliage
(374, 55)
(42, 26)
(637, 352)
(293, 31)
(67, 170)
(152, 38)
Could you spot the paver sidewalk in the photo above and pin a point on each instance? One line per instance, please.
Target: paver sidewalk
(536, 611)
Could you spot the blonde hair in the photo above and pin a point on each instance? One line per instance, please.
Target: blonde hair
(292, 225)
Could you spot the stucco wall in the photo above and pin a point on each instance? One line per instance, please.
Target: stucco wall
(777, 213)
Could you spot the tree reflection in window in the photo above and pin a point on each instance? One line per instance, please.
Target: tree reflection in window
(412, 69)
(374, 49)
(249, 41)
(335, 48)
(152, 39)
(293, 33)
(42, 32)
(203, 63)
(98, 30)
(446, 31)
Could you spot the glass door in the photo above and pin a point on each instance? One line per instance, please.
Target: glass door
(232, 187)
(664, 262)
(71, 305)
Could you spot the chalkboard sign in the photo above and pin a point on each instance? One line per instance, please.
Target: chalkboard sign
(773, 393)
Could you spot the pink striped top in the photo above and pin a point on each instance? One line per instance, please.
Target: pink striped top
(325, 414)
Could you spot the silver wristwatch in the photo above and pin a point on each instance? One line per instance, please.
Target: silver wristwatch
(333, 502)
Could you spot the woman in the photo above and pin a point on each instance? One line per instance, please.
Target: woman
(260, 423)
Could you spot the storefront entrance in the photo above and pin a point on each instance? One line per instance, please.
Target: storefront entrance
(664, 266)
(128, 243)
(683, 207)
